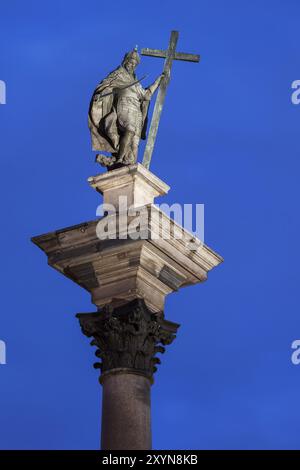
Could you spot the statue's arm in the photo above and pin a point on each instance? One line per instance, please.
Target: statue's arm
(152, 88)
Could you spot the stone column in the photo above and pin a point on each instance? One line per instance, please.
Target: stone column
(126, 414)
(127, 338)
(128, 279)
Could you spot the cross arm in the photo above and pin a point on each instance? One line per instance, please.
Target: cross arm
(187, 57)
(177, 56)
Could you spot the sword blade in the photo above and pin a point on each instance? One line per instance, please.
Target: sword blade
(121, 88)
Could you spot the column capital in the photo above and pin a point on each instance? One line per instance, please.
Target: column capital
(128, 337)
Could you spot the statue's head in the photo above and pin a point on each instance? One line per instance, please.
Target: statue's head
(131, 60)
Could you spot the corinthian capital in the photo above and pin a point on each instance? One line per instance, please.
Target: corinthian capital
(128, 337)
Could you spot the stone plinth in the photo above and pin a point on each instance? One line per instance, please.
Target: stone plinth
(116, 271)
(135, 182)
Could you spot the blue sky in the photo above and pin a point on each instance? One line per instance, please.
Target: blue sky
(229, 138)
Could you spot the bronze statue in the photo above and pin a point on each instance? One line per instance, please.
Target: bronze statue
(119, 107)
(118, 113)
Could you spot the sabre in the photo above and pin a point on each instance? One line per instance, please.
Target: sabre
(121, 88)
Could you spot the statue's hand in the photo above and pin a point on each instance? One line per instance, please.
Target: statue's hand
(165, 76)
(155, 85)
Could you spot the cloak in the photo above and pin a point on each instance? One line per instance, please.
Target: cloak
(103, 118)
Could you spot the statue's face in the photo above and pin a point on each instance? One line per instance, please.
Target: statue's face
(130, 65)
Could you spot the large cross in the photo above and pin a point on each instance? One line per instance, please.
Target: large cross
(169, 55)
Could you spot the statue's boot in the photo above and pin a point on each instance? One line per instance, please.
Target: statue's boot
(104, 160)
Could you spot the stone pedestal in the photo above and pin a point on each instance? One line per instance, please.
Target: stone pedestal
(139, 185)
(128, 278)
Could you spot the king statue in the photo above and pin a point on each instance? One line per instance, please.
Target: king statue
(118, 113)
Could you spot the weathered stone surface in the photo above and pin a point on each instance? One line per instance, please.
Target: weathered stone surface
(116, 271)
(126, 416)
(134, 182)
(128, 278)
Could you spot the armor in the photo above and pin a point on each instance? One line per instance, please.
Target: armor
(118, 113)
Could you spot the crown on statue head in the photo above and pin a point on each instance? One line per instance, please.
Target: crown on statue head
(132, 55)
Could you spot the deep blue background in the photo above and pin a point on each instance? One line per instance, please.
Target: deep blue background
(229, 138)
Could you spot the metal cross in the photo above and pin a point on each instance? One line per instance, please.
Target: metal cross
(169, 55)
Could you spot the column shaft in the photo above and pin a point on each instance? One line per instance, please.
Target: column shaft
(126, 419)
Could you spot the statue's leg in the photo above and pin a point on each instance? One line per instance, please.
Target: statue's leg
(125, 144)
(135, 146)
